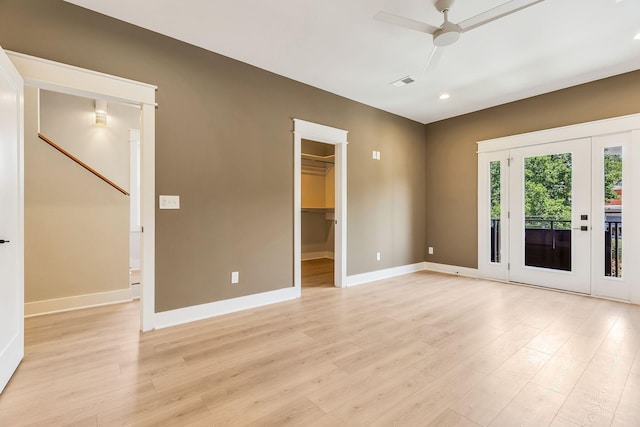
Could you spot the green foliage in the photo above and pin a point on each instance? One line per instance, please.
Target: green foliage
(548, 186)
(612, 175)
(494, 168)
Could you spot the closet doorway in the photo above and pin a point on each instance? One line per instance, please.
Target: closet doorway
(320, 204)
(317, 213)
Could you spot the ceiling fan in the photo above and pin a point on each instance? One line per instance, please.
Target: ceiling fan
(448, 33)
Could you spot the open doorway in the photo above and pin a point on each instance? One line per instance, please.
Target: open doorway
(53, 76)
(332, 220)
(318, 213)
(81, 202)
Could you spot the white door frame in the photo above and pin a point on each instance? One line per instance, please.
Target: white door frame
(629, 123)
(54, 76)
(338, 137)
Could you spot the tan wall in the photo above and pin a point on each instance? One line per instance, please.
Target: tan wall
(316, 233)
(451, 160)
(224, 144)
(70, 122)
(76, 226)
(313, 189)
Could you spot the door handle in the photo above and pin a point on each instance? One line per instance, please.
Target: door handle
(581, 228)
(4, 241)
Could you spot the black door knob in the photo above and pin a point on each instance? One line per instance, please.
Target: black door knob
(4, 241)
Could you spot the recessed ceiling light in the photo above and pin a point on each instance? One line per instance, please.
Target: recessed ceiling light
(445, 96)
(402, 82)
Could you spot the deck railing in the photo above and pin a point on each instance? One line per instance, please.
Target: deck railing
(548, 244)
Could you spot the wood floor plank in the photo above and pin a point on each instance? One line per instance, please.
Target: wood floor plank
(533, 406)
(451, 418)
(566, 367)
(485, 401)
(628, 411)
(429, 402)
(370, 404)
(594, 399)
(299, 412)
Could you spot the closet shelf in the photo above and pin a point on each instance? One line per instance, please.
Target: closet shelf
(303, 209)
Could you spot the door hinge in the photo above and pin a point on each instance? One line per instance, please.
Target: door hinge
(508, 215)
(142, 228)
(509, 162)
(508, 266)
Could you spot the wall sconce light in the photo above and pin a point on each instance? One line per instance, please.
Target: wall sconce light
(101, 112)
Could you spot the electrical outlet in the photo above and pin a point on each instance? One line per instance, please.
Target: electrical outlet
(430, 250)
(235, 277)
(169, 202)
(378, 256)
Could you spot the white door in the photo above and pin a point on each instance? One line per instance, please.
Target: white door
(550, 215)
(11, 220)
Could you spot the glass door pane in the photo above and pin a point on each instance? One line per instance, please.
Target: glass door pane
(612, 196)
(548, 211)
(613, 211)
(494, 174)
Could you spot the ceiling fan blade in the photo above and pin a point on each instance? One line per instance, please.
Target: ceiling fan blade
(408, 23)
(433, 59)
(496, 13)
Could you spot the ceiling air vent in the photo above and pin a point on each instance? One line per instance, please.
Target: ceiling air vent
(402, 82)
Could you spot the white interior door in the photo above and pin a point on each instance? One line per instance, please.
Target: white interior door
(11, 220)
(550, 215)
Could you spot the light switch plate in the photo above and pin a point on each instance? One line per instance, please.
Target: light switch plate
(169, 202)
(235, 277)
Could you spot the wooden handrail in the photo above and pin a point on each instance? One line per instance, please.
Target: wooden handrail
(84, 165)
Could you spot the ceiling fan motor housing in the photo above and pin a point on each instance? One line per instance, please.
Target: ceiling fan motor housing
(447, 35)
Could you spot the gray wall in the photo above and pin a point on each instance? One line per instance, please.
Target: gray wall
(452, 164)
(224, 144)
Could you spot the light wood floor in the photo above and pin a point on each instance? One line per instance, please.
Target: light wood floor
(419, 350)
(317, 273)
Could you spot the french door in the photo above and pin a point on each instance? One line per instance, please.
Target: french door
(551, 214)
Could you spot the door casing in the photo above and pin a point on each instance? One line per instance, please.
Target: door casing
(63, 78)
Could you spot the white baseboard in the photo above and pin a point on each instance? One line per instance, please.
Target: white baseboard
(308, 256)
(76, 302)
(204, 311)
(452, 269)
(372, 276)
(135, 290)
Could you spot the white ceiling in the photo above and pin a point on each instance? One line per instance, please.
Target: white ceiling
(335, 45)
